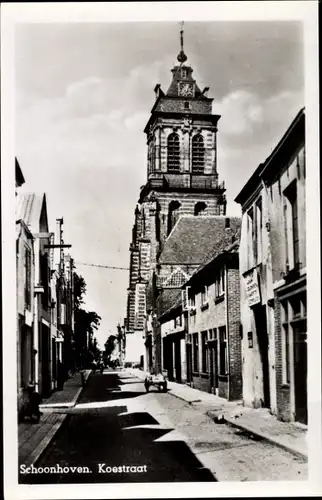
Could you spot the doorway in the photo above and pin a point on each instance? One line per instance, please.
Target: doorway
(177, 360)
(189, 362)
(213, 364)
(168, 357)
(263, 345)
(300, 371)
(45, 360)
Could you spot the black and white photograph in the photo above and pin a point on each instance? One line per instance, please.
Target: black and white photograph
(161, 249)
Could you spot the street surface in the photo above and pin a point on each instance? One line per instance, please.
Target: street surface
(118, 433)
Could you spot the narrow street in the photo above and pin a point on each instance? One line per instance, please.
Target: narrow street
(152, 437)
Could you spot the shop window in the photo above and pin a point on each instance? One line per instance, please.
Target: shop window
(195, 352)
(223, 351)
(198, 154)
(173, 153)
(204, 353)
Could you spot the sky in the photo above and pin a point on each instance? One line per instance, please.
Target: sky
(83, 94)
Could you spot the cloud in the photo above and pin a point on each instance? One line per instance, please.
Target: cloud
(245, 116)
(241, 111)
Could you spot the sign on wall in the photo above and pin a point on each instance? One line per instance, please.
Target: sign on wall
(252, 288)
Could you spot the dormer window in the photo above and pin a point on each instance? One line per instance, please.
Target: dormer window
(187, 105)
(183, 73)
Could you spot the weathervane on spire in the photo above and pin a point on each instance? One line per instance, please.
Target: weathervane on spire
(182, 56)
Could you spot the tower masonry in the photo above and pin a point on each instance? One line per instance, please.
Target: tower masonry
(182, 176)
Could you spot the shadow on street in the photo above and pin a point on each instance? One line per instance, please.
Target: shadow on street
(99, 432)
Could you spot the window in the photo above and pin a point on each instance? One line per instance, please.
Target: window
(173, 152)
(173, 213)
(198, 154)
(204, 353)
(183, 73)
(291, 227)
(250, 237)
(177, 321)
(223, 351)
(204, 296)
(27, 278)
(44, 278)
(192, 301)
(259, 230)
(199, 208)
(220, 282)
(187, 105)
(195, 352)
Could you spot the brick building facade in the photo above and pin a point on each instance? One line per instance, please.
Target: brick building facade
(273, 280)
(212, 313)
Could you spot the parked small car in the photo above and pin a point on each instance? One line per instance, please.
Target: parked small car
(159, 381)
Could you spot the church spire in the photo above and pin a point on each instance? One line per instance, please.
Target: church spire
(181, 56)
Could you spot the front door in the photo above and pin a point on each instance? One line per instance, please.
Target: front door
(300, 372)
(177, 361)
(262, 338)
(189, 362)
(213, 365)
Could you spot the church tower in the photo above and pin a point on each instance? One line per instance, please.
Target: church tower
(182, 176)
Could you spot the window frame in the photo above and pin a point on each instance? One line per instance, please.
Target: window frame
(259, 230)
(220, 282)
(250, 236)
(173, 152)
(205, 295)
(291, 226)
(198, 154)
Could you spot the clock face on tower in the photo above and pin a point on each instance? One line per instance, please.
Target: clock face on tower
(186, 89)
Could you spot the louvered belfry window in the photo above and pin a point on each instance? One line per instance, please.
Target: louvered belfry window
(173, 153)
(198, 154)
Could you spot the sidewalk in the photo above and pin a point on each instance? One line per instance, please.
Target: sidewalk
(34, 438)
(290, 436)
